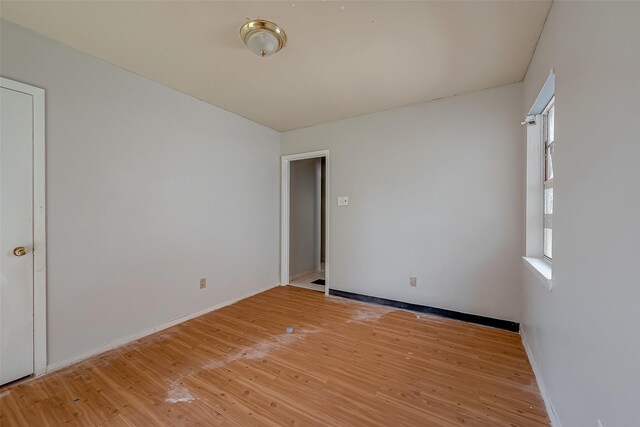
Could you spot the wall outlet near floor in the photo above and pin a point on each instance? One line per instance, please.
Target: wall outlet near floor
(343, 201)
(203, 283)
(413, 281)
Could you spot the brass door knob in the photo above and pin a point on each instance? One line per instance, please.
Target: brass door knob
(20, 251)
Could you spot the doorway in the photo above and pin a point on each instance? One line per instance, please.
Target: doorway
(22, 232)
(305, 221)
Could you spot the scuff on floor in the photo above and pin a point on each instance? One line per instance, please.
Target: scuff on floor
(177, 392)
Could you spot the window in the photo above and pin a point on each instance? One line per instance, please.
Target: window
(540, 121)
(548, 135)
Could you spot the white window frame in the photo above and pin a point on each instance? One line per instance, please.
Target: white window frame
(547, 182)
(534, 257)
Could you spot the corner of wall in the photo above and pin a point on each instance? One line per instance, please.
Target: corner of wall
(553, 418)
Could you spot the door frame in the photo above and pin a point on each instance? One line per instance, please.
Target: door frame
(318, 172)
(285, 214)
(39, 224)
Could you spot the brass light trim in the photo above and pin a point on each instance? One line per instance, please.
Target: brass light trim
(262, 25)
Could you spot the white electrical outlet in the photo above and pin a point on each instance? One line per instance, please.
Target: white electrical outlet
(343, 201)
(203, 283)
(413, 281)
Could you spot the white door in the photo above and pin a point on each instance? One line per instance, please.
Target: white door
(16, 235)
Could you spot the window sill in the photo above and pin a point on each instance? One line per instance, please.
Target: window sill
(542, 269)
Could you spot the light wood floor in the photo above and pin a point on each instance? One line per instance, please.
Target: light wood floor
(345, 363)
(306, 281)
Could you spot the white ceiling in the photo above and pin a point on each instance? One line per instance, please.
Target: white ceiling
(342, 59)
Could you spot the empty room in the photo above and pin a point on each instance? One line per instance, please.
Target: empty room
(320, 213)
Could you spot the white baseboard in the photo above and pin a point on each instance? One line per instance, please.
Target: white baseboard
(553, 418)
(133, 337)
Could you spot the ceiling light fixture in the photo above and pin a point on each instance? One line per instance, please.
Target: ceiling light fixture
(262, 37)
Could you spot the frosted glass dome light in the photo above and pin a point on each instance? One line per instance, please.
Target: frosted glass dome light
(262, 37)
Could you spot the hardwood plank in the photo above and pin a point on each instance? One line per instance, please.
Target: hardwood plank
(346, 363)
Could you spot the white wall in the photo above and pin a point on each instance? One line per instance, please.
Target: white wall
(303, 220)
(585, 335)
(148, 190)
(435, 191)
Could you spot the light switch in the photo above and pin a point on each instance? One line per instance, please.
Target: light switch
(343, 201)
